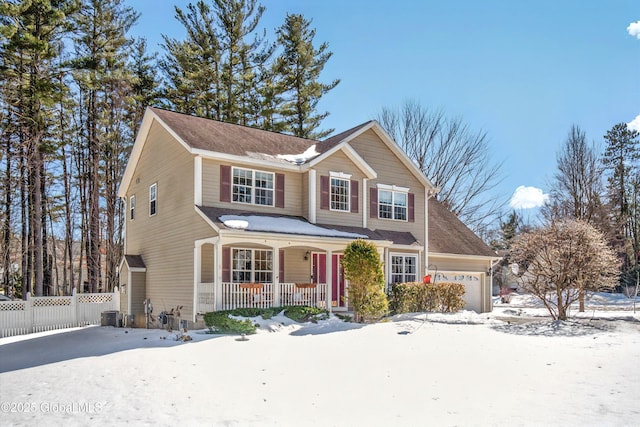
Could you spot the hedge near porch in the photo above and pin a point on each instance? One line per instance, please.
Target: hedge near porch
(443, 297)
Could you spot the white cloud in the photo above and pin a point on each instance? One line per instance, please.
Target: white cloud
(634, 29)
(528, 197)
(635, 123)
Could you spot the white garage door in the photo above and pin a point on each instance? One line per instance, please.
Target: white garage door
(472, 284)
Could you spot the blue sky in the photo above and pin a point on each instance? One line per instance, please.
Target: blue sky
(523, 71)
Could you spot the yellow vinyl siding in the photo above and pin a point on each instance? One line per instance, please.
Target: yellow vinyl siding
(338, 162)
(296, 268)
(211, 190)
(138, 295)
(166, 240)
(391, 170)
(459, 264)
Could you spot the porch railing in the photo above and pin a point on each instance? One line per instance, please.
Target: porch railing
(259, 295)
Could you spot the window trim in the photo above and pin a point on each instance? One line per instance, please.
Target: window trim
(253, 187)
(252, 271)
(394, 191)
(347, 195)
(404, 255)
(132, 207)
(153, 201)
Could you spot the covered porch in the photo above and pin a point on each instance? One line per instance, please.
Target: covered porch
(247, 272)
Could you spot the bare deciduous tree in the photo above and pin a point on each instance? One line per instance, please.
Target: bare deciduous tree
(557, 262)
(577, 184)
(454, 157)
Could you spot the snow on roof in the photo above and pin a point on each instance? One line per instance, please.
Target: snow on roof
(284, 225)
(299, 159)
(236, 223)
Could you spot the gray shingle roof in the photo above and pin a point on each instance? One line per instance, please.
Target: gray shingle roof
(212, 135)
(135, 261)
(449, 235)
(397, 237)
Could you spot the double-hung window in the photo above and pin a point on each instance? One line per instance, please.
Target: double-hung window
(392, 205)
(253, 187)
(132, 207)
(403, 268)
(153, 199)
(340, 194)
(252, 265)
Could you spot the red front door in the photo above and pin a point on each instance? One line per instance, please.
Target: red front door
(319, 271)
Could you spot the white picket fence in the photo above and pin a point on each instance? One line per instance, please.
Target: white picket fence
(38, 314)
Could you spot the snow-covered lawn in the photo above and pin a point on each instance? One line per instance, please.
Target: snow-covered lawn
(462, 369)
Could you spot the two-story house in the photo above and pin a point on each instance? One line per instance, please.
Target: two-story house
(222, 216)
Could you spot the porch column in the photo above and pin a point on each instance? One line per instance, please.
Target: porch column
(197, 275)
(217, 274)
(275, 273)
(312, 196)
(329, 279)
(386, 262)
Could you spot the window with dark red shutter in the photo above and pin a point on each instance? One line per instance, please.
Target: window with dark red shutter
(225, 183)
(373, 202)
(280, 190)
(281, 272)
(354, 196)
(411, 203)
(324, 192)
(226, 264)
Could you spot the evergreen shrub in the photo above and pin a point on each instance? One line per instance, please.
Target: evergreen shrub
(220, 322)
(363, 270)
(303, 313)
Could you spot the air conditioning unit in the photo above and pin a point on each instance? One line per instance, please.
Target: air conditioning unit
(109, 318)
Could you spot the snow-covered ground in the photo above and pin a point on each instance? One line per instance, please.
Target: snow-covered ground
(509, 367)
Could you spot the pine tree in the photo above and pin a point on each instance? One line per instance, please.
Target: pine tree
(145, 85)
(622, 160)
(238, 20)
(32, 32)
(623, 148)
(192, 68)
(217, 70)
(300, 65)
(102, 49)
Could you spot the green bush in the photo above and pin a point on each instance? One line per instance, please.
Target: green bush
(266, 313)
(441, 297)
(220, 322)
(363, 270)
(303, 313)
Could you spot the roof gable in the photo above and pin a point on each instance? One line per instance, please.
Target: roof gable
(334, 143)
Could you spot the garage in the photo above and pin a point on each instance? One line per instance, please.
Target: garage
(472, 284)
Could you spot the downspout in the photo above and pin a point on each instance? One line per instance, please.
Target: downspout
(427, 195)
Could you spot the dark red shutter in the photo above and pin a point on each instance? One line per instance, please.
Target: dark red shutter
(279, 190)
(281, 272)
(324, 192)
(411, 209)
(373, 202)
(354, 196)
(225, 183)
(226, 264)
